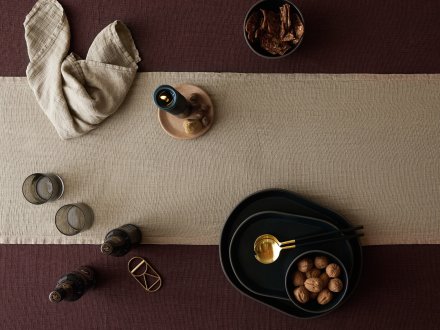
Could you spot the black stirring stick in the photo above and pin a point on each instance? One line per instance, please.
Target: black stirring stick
(339, 238)
(306, 238)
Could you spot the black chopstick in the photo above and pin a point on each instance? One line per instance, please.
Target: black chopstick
(338, 238)
(342, 231)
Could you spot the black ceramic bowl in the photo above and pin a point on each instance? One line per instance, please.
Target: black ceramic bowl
(273, 5)
(313, 306)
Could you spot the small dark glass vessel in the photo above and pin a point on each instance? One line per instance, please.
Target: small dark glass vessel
(120, 240)
(167, 98)
(72, 286)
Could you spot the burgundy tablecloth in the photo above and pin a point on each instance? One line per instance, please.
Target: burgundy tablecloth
(342, 36)
(398, 289)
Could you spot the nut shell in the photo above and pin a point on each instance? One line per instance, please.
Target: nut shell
(324, 297)
(192, 126)
(313, 295)
(321, 262)
(298, 278)
(313, 284)
(333, 270)
(335, 285)
(314, 272)
(301, 294)
(325, 279)
(305, 264)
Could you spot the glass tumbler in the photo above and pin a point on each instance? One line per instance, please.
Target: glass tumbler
(39, 188)
(72, 219)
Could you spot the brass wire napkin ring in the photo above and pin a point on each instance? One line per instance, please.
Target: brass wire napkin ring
(145, 274)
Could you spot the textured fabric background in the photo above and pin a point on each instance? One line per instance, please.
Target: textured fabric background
(365, 146)
(342, 36)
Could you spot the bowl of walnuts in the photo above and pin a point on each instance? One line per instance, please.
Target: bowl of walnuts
(316, 281)
(273, 28)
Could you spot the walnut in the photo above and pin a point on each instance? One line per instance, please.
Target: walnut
(321, 262)
(313, 295)
(333, 270)
(313, 273)
(313, 284)
(305, 264)
(301, 294)
(335, 285)
(324, 297)
(325, 279)
(192, 126)
(298, 278)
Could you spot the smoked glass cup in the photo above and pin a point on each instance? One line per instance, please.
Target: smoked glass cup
(39, 188)
(72, 219)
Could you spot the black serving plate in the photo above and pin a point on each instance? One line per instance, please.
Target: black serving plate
(269, 280)
(287, 202)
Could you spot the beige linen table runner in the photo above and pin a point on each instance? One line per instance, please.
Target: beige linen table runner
(75, 94)
(366, 146)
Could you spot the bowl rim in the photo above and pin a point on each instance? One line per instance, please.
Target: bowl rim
(245, 223)
(287, 279)
(256, 5)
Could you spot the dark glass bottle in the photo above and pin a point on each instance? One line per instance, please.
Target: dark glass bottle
(120, 240)
(72, 286)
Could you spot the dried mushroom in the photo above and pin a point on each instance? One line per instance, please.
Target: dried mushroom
(199, 110)
(271, 22)
(252, 25)
(275, 31)
(299, 29)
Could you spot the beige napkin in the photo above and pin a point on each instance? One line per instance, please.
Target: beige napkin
(75, 94)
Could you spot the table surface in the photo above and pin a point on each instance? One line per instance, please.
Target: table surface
(341, 37)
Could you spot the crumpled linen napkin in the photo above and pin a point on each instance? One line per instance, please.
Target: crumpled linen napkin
(76, 94)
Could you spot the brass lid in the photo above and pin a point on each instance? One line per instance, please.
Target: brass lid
(106, 248)
(55, 297)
